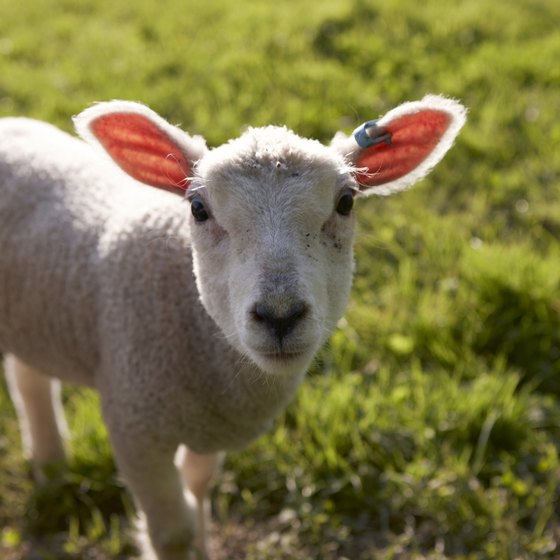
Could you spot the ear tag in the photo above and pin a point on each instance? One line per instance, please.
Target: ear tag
(369, 134)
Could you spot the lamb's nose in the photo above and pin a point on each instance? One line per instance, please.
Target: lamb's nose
(279, 325)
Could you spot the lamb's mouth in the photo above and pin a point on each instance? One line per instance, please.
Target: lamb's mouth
(284, 355)
(280, 355)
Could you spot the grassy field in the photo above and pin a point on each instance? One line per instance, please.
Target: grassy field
(430, 425)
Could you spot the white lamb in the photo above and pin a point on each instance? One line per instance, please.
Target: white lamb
(195, 322)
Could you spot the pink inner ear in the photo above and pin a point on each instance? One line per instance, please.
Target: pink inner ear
(413, 138)
(143, 150)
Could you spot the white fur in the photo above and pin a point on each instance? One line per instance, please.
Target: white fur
(112, 284)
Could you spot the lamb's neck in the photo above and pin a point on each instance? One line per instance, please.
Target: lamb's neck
(270, 389)
(261, 391)
(249, 399)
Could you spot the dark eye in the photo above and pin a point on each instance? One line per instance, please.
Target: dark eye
(345, 203)
(198, 210)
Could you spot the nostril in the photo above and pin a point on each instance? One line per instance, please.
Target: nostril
(261, 313)
(298, 311)
(280, 325)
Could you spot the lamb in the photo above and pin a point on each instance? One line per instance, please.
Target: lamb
(195, 326)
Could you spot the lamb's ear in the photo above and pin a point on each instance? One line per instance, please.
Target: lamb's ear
(142, 143)
(394, 152)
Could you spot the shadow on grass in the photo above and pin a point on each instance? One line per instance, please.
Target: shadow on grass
(80, 512)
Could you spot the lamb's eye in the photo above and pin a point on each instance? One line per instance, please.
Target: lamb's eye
(345, 203)
(198, 210)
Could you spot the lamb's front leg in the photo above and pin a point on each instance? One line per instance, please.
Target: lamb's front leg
(149, 472)
(197, 471)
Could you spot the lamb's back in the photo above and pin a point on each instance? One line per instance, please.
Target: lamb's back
(62, 208)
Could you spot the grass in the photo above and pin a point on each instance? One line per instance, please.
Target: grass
(430, 425)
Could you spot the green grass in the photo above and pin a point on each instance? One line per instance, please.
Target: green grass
(430, 425)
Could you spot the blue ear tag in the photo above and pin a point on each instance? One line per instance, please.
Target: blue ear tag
(369, 134)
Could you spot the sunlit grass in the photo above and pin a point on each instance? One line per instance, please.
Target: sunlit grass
(430, 425)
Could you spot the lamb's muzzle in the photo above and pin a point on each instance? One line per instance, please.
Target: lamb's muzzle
(280, 325)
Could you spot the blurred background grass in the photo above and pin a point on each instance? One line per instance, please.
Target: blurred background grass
(430, 425)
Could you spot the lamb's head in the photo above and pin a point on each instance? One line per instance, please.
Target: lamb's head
(272, 213)
(272, 232)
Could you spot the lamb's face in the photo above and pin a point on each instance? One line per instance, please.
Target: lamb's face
(272, 231)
